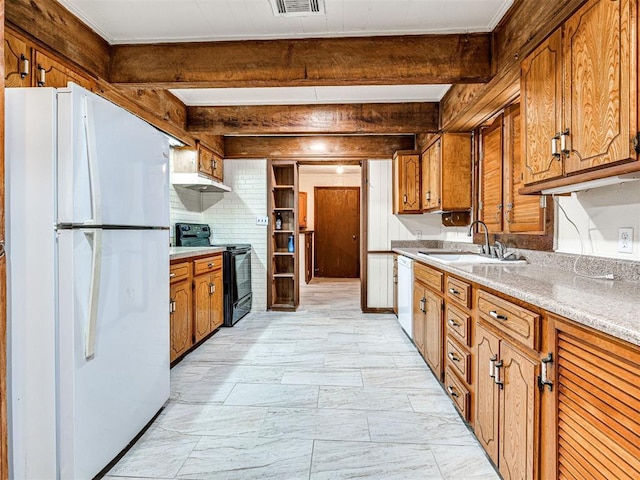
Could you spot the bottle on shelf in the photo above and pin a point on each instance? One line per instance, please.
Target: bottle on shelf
(290, 244)
(278, 221)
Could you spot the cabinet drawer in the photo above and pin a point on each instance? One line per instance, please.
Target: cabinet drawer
(459, 325)
(179, 271)
(459, 291)
(207, 264)
(429, 276)
(515, 321)
(459, 359)
(458, 393)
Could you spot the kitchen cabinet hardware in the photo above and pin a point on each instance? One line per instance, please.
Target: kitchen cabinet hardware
(172, 275)
(2, 250)
(42, 76)
(496, 379)
(452, 392)
(453, 357)
(423, 303)
(498, 316)
(453, 323)
(565, 145)
(555, 150)
(543, 379)
(492, 366)
(636, 143)
(24, 66)
(454, 291)
(212, 288)
(211, 265)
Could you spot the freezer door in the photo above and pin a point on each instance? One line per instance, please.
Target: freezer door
(112, 166)
(113, 336)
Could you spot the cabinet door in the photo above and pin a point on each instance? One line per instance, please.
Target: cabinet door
(217, 169)
(486, 425)
(308, 257)
(541, 98)
(435, 192)
(180, 319)
(522, 213)
(55, 74)
(302, 209)
(433, 333)
(426, 159)
(600, 83)
(205, 161)
(518, 428)
(217, 305)
(419, 301)
(202, 306)
(17, 57)
(410, 183)
(491, 177)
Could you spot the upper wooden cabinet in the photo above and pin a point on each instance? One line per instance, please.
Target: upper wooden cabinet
(406, 182)
(446, 173)
(579, 94)
(302, 209)
(501, 207)
(209, 163)
(17, 62)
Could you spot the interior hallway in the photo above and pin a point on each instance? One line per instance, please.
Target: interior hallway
(323, 393)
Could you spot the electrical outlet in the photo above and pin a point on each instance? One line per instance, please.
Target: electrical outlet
(262, 221)
(625, 240)
(418, 234)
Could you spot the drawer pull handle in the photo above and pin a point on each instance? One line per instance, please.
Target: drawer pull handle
(543, 379)
(172, 274)
(497, 315)
(453, 357)
(212, 288)
(453, 323)
(492, 366)
(453, 291)
(210, 265)
(452, 392)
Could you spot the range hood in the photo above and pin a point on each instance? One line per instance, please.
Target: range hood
(194, 181)
(185, 173)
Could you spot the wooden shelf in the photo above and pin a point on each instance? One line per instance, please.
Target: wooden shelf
(290, 254)
(284, 209)
(284, 275)
(283, 187)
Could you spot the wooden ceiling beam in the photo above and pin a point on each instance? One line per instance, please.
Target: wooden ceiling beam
(392, 60)
(321, 148)
(363, 118)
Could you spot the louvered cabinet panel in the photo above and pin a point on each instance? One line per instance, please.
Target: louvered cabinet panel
(491, 177)
(599, 52)
(541, 98)
(598, 408)
(522, 213)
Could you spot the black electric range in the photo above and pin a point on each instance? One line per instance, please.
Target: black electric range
(236, 268)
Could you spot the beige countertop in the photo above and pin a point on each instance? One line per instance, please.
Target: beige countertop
(177, 253)
(610, 306)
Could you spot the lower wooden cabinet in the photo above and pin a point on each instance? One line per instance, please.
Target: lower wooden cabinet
(427, 325)
(207, 298)
(180, 318)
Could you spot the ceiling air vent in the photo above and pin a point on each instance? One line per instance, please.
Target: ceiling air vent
(297, 8)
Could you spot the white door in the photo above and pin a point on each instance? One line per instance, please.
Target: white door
(113, 366)
(112, 166)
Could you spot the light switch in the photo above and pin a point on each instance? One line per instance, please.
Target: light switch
(262, 220)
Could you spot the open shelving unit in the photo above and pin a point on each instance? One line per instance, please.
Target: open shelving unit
(283, 291)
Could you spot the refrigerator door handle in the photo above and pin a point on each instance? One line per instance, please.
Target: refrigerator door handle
(95, 239)
(92, 160)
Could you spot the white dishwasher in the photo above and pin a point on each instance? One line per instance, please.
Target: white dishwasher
(405, 294)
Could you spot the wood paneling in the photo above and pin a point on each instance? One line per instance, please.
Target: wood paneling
(379, 280)
(413, 59)
(490, 211)
(337, 232)
(364, 118)
(520, 31)
(317, 147)
(62, 32)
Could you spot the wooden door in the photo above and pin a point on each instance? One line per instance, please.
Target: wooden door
(518, 427)
(419, 302)
(202, 306)
(337, 232)
(491, 176)
(541, 98)
(180, 319)
(522, 213)
(217, 301)
(600, 83)
(486, 424)
(433, 333)
(435, 161)
(17, 56)
(302, 209)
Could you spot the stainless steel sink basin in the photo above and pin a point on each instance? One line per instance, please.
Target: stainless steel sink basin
(464, 257)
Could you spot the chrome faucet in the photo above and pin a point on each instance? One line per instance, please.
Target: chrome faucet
(499, 249)
(486, 248)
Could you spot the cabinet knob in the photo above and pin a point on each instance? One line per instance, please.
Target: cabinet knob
(210, 265)
(172, 274)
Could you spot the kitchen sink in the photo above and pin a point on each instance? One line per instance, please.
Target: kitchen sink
(464, 257)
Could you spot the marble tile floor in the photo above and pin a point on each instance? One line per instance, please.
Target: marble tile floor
(326, 392)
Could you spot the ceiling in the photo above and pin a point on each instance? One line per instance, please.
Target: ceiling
(157, 21)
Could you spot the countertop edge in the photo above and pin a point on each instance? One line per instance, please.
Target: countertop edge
(179, 253)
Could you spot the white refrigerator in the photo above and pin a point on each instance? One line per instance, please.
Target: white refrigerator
(87, 202)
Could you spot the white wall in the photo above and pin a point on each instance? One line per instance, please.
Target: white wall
(232, 215)
(307, 182)
(598, 213)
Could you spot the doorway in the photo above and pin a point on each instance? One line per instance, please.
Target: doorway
(337, 232)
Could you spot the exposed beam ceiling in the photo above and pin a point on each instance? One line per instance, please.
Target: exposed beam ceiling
(368, 118)
(398, 60)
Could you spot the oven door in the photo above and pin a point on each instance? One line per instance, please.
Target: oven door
(240, 274)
